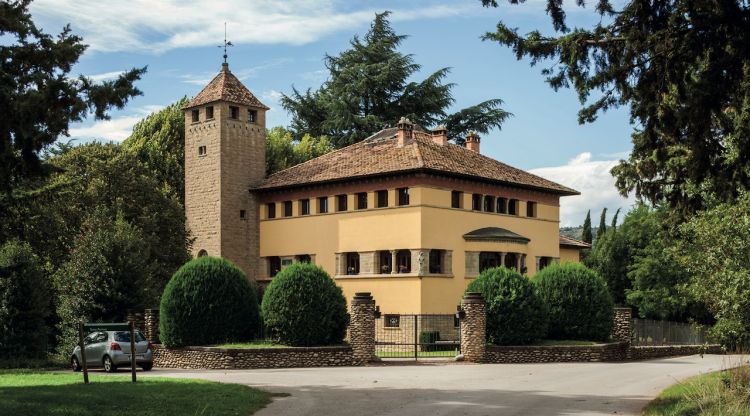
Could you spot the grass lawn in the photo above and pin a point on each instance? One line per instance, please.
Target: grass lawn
(33, 392)
(565, 342)
(725, 393)
(259, 344)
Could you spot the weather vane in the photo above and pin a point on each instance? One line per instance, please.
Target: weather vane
(225, 43)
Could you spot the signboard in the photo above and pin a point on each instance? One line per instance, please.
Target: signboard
(95, 327)
(106, 327)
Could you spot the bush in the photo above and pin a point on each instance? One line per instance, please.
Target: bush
(580, 306)
(515, 314)
(208, 301)
(303, 307)
(24, 303)
(732, 334)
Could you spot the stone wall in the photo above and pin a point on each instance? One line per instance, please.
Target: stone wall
(244, 358)
(473, 327)
(622, 330)
(616, 351)
(656, 351)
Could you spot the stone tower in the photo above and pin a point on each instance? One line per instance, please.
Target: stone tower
(225, 155)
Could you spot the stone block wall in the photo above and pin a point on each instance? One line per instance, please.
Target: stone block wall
(362, 328)
(246, 358)
(623, 327)
(616, 351)
(151, 325)
(473, 327)
(657, 351)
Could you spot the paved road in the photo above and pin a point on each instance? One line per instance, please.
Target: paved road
(468, 389)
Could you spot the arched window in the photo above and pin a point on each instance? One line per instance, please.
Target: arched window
(274, 265)
(385, 261)
(202, 253)
(352, 263)
(488, 260)
(436, 261)
(403, 260)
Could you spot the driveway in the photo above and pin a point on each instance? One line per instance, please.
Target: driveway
(468, 389)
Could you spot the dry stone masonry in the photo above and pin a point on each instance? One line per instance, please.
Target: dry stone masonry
(616, 351)
(622, 329)
(245, 358)
(362, 327)
(473, 327)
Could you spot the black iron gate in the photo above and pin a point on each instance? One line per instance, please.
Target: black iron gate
(412, 336)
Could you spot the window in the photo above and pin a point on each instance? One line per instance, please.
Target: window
(304, 258)
(544, 262)
(341, 201)
(209, 112)
(385, 261)
(456, 197)
(271, 210)
(403, 261)
(513, 207)
(476, 202)
(123, 336)
(202, 253)
(362, 200)
(234, 112)
(403, 196)
(489, 203)
(391, 321)
(488, 260)
(436, 261)
(352, 263)
(531, 209)
(511, 261)
(243, 214)
(287, 208)
(322, 205)
(304, 207)
(196, 115)
(201, 150)
(382, 198)
(502, 205)
(274, 265)
(252, 116)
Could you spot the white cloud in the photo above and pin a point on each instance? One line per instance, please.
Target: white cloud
(592, 178)
(158, 26)
(115, 129)
(105, 76)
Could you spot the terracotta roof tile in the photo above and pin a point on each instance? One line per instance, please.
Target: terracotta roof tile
(379, 155)
(225, 87)
(572, 242)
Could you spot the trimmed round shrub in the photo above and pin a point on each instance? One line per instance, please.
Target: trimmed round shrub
(208, 301)
(580, 306)
(302, 306)
(515, 314)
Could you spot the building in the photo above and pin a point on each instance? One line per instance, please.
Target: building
(404, 214)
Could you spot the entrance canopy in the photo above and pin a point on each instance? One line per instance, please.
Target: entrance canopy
(495, 234)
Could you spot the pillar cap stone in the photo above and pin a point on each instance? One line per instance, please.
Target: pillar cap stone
(473, 297)
(362, 297)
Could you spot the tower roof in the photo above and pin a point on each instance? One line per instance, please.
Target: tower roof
(226, 87)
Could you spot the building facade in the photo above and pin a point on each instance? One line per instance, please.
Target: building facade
(404, 214)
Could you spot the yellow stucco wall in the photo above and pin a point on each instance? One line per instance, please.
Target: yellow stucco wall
(427, 223)
(568, 254)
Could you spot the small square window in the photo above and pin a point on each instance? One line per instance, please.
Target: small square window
(362, 200)
(531, 209)
(201, 150)
(341, 203)
(196, 116)
(234, 112)
(304, 206)
(252, 116)
(392, 321)
(271, 209)
(322, 205)
(382, 198)
(456, 197)
(210, 112)
(403, 196)
(287, 208)
(243, 214)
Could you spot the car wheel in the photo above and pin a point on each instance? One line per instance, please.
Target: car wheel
(109, 366)
(75, 364)
(147, 367)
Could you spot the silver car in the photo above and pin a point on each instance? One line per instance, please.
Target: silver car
(110, 349)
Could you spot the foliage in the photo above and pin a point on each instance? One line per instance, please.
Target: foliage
(580, 307)
(284, 151)
(713, 248)
(516, 315)
(303, 307)
(682, 67)
(24, 303)
(602, 224)
(103, 277)
(38, 98)
(159, 143)
(48, 393)
(368, 89)
(587, 237)
(208, 301)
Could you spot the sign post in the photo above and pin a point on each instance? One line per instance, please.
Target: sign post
(132, 349)
(83, 354)
(89, 328)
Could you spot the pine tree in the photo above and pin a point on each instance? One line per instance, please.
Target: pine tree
(602, 224)
(586, 235)
(368, 89)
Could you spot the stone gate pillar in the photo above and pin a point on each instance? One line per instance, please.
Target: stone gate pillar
(362, 328)
(151, 330)
(473, 327)
(622, 329)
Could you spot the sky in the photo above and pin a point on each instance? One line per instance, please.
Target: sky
(280, 44)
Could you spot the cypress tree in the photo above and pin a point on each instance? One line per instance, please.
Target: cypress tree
(587, 236)
(602, 224)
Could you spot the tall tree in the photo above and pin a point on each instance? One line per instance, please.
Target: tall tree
(368, 89)
(38, 98)
(683, 69)
(602, 224)
(587, 236)
(613, 225)
(284, 151)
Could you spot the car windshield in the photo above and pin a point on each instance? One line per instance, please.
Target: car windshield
(125, 336)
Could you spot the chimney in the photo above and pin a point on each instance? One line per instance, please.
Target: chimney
(440, 135)
(472, 142)
(404, 133)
